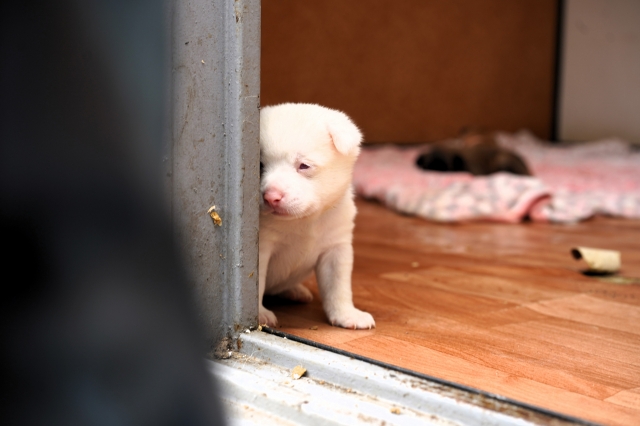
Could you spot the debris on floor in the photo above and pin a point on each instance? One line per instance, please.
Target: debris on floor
(598, 261)
(223, 350)
(297, 372)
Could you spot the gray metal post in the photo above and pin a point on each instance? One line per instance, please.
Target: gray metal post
(214, 156)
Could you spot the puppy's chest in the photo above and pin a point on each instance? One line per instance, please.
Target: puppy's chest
(294, 253)
(298, 248)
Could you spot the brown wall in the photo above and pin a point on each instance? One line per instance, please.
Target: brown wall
(414, 70)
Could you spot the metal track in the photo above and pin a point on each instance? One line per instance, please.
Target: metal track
(338, 390)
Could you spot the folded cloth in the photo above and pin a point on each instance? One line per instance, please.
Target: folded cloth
(569, 184)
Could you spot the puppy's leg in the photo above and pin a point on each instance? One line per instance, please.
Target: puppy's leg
(299, 293)
(334, 282)
(265, 316)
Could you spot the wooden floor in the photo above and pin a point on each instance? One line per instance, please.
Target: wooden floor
(501, 308)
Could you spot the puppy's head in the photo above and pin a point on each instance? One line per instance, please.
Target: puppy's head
(307, 154)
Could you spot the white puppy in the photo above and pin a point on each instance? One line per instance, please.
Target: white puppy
(307, 153)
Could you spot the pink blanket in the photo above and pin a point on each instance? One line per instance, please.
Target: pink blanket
(570, 183)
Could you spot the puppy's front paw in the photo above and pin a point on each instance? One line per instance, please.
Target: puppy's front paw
(352, 318)
(267, 317)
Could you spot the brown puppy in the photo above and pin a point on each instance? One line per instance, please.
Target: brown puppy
(477, 154)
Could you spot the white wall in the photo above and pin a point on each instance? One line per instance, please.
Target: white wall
(600, 77)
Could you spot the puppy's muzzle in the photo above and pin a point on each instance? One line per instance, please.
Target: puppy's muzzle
(273, 198)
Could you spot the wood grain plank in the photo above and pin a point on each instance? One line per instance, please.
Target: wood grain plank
(419, 358)
(477, 284)
(607, 343)
(627, 398)
(567, 369)
(590, 310)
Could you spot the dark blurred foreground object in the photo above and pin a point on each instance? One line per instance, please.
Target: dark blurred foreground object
(477, 154)
(98, 325)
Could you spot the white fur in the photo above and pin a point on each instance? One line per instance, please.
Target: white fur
(307, 214)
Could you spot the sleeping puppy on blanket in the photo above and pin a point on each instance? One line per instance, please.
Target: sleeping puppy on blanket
(476, 153)
(307, 153)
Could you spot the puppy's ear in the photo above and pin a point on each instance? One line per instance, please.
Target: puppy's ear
(345, 135)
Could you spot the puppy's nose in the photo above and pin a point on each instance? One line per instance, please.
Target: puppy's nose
(273, 197)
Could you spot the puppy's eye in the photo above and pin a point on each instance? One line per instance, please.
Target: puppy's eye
(303, 166)
(261, 167)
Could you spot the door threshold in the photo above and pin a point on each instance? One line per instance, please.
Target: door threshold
(342, 388)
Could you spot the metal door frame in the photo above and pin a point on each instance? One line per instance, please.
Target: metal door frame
(213, 158)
